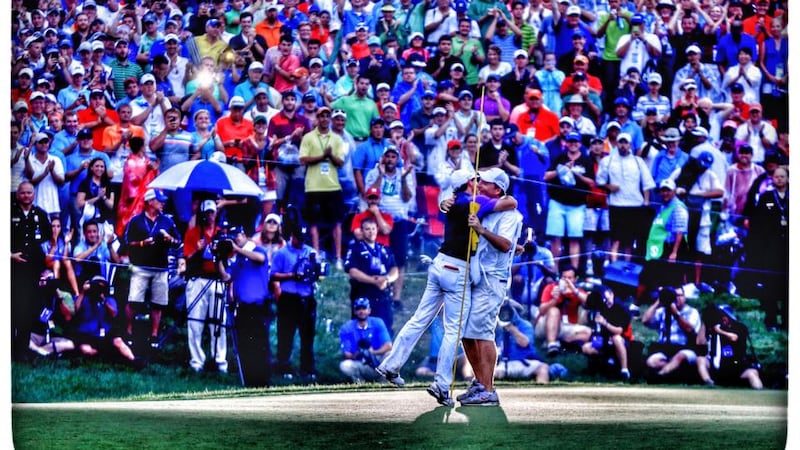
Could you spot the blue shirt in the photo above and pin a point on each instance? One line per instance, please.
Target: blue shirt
(508, 346)
(414, 102)
(368, 154)
(251, 279)
(75, 160)
(247, 91)
(287, 260)
(375, 332)
(372, 260)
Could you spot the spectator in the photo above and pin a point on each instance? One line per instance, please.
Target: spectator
(628, 181)
(138, 171)
(205, 294)
(270, 28)
(550, 80)
(596, 225)
(639, 49)
(148, 238)
(368, 154)
(652, 99)
(150, 107)
(583, 123)
(745, 73)
(248, 88)
(612, 330)
(612, 25)
(494, 65)
(372, 270)
(773, 59)
(456, 159)
(116, 143)
(46, 173)
(517, 352)
(569, 177)
(382, 219)
(558, 320)
(678, 324)
(497, 152)
(364, 339)
(730, 43)
(295, 268)
(95, 252)
(95, 197)
(670, 158)
(285, 133)
(469, 49)
(738, 180)
(211, 43)
(409, 153)
(705, 76)
(97, 117)
(534, 120)
(57, 307)
(173, 145)
(322, 153)
(622, 115)
(757, 132)
(57, 251)
(438, 135)
(397, 196)
(29, 228)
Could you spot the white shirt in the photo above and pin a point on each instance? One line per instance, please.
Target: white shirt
(632, 176)
(747, 133)
(47, 189)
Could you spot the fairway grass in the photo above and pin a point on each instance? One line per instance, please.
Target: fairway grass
(560, 417)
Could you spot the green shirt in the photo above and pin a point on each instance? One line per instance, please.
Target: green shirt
(613, 33)
(472, 68)
(479, 8)
(359, 113)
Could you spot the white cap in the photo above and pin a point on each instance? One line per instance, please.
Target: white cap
(76, 70)
(460, 177)
(439, 110)
(273, 216)
(390, 105)
(574, 9)
(36, 95)
(654, 77)
(693, 49)
(236, 101)
(171, 37)
(97, 45)
(255, 65)
(208, 205)
(497, 176)
(624, 137)
(382, 86)
(667, 183)
(148, 77)
(314, 61)
(520, 52)
(29, 71)
(85, 45)
(396, 123)
(700, 132)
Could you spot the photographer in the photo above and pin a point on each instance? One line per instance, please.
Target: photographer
(678, 325)
(363, 340)
(205, 296)
(518, 357)
(296, 268)
(95, 309)
(149, 236)
(57, 308)
(725, 340)
(612, 332)
(559, 314)
(247, 270)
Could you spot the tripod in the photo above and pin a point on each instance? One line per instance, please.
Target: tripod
(212, 311)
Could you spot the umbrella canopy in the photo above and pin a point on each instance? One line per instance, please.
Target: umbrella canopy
(206, 176)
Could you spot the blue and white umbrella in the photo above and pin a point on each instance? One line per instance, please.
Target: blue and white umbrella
(206, 176)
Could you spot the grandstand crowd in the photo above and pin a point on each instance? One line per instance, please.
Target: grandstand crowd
(592, 107)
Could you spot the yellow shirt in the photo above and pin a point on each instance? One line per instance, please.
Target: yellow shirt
(206, 48)
(322, 176)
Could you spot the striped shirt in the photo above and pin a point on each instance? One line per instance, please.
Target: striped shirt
(661, 104)
(177, 148)
(122, 72)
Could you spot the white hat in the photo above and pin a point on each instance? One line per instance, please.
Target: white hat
(27, 71)
(97, 45)
(208, 205)
(236, 101)
(460, 177)
(314, 61)
(21, 104)
(693, 49)
(497, 176)
(147, 78)
(439, 110)
(700, 132)
(41, 135)
(77, 70)
(255, 65)
(667, 183)
(382, 86)
(396, 123)
(218, 157)
(520, 52)
(574, 9)
(624, 137)
(171, 37)
(273, 216)
(688, 83)
(390, 105)
(654, 77)
(85, 45)
(36, 95)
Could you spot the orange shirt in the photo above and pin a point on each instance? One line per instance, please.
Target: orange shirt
(270, 33)
(113, 135)
(230, 131)
(750, 26)
(89, 115)
(382, 239)
(545, 124)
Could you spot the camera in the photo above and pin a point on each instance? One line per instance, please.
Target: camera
(98, 287)
(507, 314)
(221, 247)
(366, 356)
(309, 270)
(666, 296)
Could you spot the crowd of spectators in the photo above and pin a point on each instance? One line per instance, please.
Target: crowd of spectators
(338, 107)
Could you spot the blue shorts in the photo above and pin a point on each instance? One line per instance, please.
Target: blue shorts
(565, 220)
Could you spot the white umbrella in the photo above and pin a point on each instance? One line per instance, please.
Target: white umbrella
(206, 176)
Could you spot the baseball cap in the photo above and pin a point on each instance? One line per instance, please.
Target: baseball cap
(171, 37)
(444, 84)
(361, 26)
(213, 23)
(309, 97)
(692, 49)
(460, 6)
(352, 62)
(154, 194)
(667, 183)
(756, 107)
(85, 46)
(120, 42)
(577, 76)
(315, 62)
(534, 94)
(388, 8)
(382, 86)
(300, 72)
(374, 40)
(390, 105)
(148, 78)
(338, 113)
(706, 159)
(520, 53)
(492, 77)
(497, 176)
(457, 66)
(439, 110)
(511, 130)
(84, 133)
(574, 10)
(391, 149)
(651, 111)
(581, 58)
(208, 205)
(377, 120)
(415, 35)
(396, 124)
(573, 136)
(622, 101)
(273, 217)
(372, 192)
(360, 303)
(26, 71)
(36, 95)
(566, 119)
(41, 136)
(429, 93)
(255, 65)
(97, 45)
(575, 98)
(460, 177)
(688, 83)
(613, 124)
(624, 137)
(737, 87)
(20, 105)
(65, 43)
(700, 132)
(637, 19)
(654, 77)
(236, 101)
(259, 91)
(236, 229)
(453, 143)
(464, 93)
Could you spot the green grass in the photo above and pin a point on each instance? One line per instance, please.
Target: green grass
(81, 379)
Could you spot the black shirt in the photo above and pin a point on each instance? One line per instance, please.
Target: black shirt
(570, 195)
(456, 230)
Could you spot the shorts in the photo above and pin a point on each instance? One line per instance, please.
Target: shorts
(561, 218)
(596, 219)
(629, 222)
(691, 356)
(155, 280)
(564, 331)
(487, 297)
(519, 370)
(325, 208)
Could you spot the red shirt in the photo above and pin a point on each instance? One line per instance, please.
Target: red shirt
(382, 239)
(230, 131)
(569, 303)
(89, 115)
(190, 246)
(545, 123)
